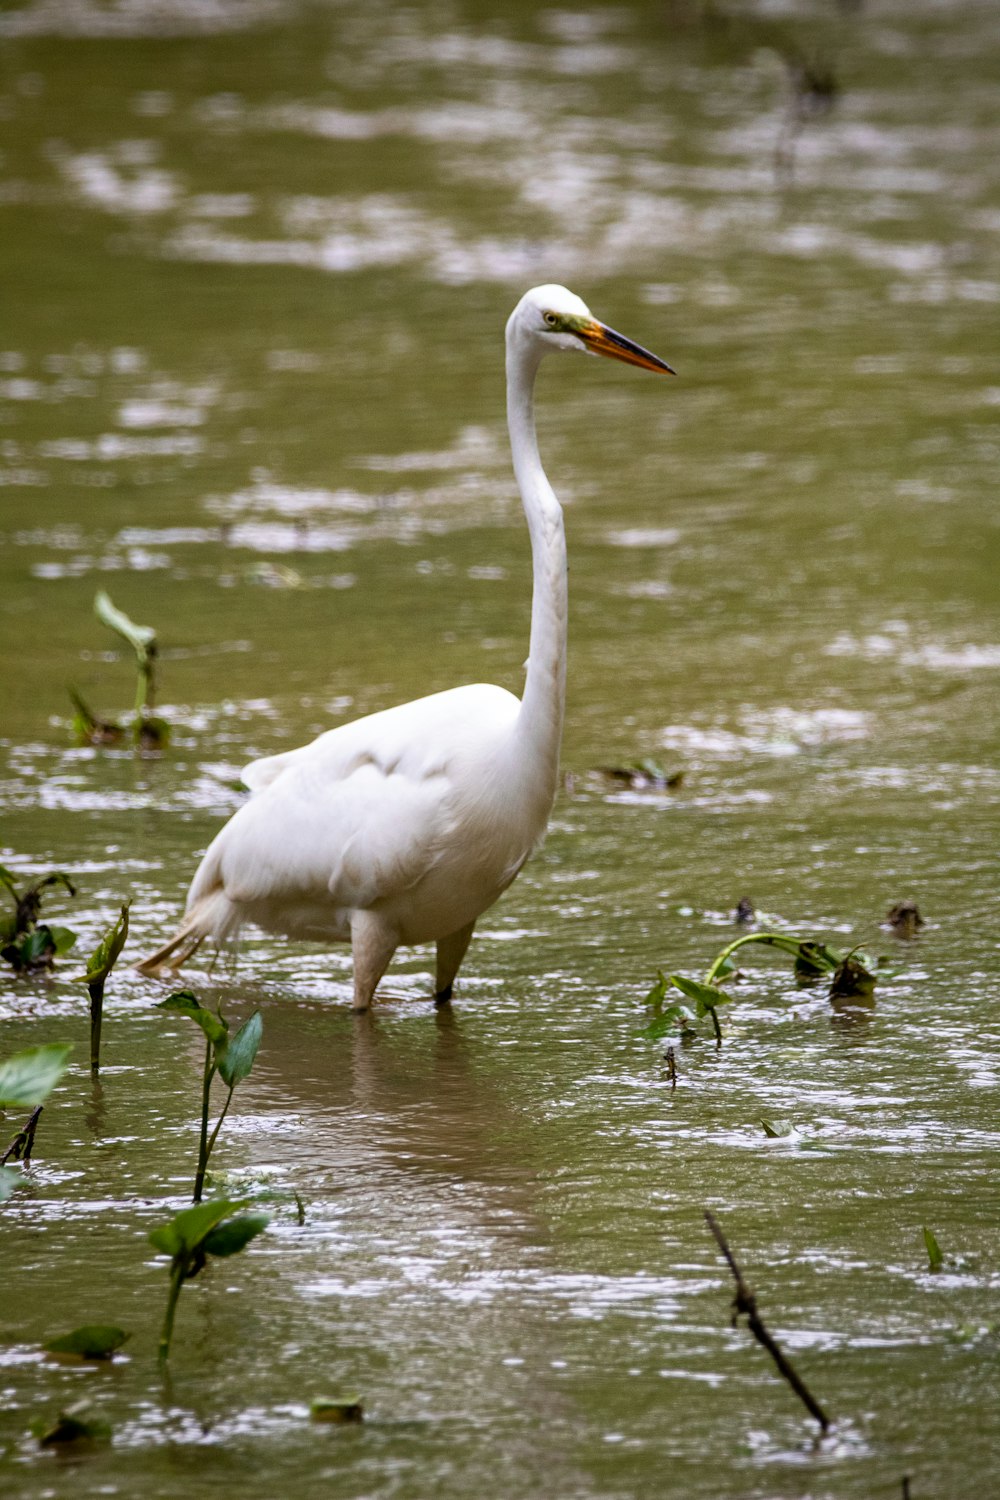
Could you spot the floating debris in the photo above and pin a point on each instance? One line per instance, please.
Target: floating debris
(79, 1423)
(337, 1409)
(644, 776)
(904, 918)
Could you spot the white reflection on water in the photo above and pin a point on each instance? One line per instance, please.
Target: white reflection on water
(137, 18)
(122, 180)
(893, 641)
(773, 731)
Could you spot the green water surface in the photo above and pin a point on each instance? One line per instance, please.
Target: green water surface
(255, 259)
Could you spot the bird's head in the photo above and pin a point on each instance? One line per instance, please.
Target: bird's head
(551, 319)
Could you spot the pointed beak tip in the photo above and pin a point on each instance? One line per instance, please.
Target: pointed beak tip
(603, 340)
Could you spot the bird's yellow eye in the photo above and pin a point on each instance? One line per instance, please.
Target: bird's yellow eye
(552, 320)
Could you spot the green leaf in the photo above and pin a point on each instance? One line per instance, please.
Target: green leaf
(657, 994)
(78, 1423)
(337, 1409)
(139, 637)
(35, 950)
(668, 1020)
(10, 1178)
(776, 1129)
(705, 996)
(187, 1230)
(186, 1004)
(725, 966)
(935, 1259)
(235, 1056)
(235, 1234)
(27, 1078)
(63, 939)
(92, 1341)
(106, 954)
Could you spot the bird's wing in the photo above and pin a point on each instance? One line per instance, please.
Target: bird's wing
(360, 814)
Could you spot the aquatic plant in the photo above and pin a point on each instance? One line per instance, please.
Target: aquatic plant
(30, 946)
(935, 1256)
(191, 1237)
(90, 1341)
(26, 1080)
(148, 731)
(231, 1057)
(99, 966)
(87, 728)
(79, 1423)
(850, 976)
(667, 1018)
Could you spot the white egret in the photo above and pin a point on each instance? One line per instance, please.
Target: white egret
(405, 826)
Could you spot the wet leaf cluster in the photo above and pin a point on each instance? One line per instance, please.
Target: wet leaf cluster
(30, 946)
(214, 1229)
(231, 1056)
(851, 975)
(193, 1236)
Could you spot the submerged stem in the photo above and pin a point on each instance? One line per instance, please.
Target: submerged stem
(20, 1147)
(96, 1016)
(176, 1282)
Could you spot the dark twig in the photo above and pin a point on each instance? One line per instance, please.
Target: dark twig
(745, 1302)
(671, 1062)
(20, 1147)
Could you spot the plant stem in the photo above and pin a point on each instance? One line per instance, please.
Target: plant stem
(96, 1015)
(203, 1146)
(769, 939)
(20, 1146)
(176, 1282)
(745, 1302)
(718, 1028)
(218, 1123)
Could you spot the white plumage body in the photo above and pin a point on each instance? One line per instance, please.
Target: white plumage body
(420, 813)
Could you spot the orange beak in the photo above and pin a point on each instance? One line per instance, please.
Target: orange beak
(602, 340)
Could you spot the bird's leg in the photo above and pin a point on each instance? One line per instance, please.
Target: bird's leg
(372, 947)
(450, 952)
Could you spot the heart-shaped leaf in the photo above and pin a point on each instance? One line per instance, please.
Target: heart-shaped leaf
(27, 1078)
(235, 1056)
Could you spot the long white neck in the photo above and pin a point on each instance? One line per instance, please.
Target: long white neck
(540, 721)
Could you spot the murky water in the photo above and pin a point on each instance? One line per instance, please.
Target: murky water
(257, 262)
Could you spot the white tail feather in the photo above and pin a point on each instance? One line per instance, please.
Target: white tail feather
(213, 916)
